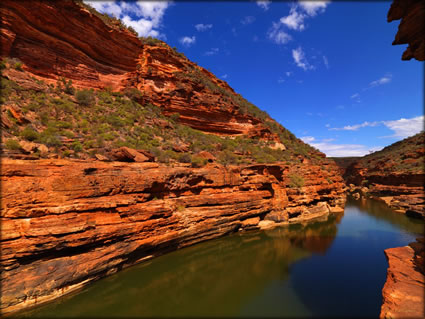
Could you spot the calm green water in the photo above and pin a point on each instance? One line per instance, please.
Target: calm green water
(331, 268)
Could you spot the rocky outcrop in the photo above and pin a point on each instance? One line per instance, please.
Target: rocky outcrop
(411, 29)
(95, 55)
(403, 292)
(69, 42)
(394, 176)
(67, 223)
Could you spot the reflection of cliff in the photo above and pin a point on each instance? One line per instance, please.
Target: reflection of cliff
(217, 277)
(381, 211)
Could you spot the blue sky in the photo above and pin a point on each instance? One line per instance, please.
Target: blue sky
(325, 70)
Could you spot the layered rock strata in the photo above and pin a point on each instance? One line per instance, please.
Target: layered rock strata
(95, 55)
(404, 291)
(394, 176)
(67, 223)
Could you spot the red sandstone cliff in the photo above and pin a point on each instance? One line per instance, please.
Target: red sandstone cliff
(95, 55)
(403, 293)
(66, 223)
(394, 175)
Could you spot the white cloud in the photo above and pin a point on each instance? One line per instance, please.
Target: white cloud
(326, 62)
(308, 139)
(248, 20)
(339, 150)
(148, 14)
(188, 41)
(355, 96)
(288, 73)
(355, 127)
(313, 7)
(402, 128)
(203, 27)
(277, 35)
(264, 4)
(213, 51)
(224, 76)
(300, 60)
(385, 79)
(294, 20)
(406, 127)
(280, 80)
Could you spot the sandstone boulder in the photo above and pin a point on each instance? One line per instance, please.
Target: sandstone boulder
(126, 154)
(207, 155)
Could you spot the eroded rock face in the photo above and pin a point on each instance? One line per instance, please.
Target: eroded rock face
(95, 55)
(411, 29)
(61, 39)
(67, 223)
(404, 290)
(394, 175)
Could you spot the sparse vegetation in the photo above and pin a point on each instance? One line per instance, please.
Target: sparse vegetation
(296, 181)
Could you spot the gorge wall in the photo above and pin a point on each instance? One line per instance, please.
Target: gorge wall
(394, 175)
(67, 223)
(95, 54)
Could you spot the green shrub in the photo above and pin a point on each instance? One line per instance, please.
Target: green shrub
(198, 161)
(85, 97)
(77, 147)
(29, 134)
(133, 94)
(50, 137)
(12, 145)
(296, 181)
(185, 158)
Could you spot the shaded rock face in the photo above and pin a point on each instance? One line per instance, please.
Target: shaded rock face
(411, 30)
(394, 175)
(67, 223)
(404, 290)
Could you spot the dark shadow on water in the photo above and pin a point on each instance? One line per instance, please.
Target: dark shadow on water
(330, 268)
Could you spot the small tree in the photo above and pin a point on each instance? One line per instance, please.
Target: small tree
(85, 97)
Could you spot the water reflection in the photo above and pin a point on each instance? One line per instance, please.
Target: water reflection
(219, 277)
(334, 267)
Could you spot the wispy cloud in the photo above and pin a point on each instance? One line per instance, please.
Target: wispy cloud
(300, 59)
(295, 20)
(213, 51)
(248, 20)
(188, 41)
(313, 7)
(224, 76)
(203, 27)
(277, 35)
(383, 80)
(326, 62)
(264, 4)
(406, 127)
(280, 80)
(339, 150)
(298, 13)
(402, 128)
(355, 127)
(288, 73)
(148, 14)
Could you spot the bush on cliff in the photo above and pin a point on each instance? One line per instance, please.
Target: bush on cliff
(296, 181)
(85, 97)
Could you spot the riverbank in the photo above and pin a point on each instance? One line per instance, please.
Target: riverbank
(333, 267)
(68, 223)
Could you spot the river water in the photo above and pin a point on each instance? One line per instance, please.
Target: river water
(335, 267)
